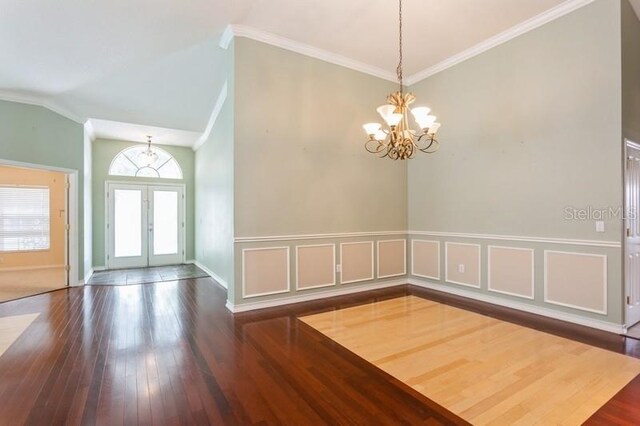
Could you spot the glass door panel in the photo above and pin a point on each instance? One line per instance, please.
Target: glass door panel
(165, 222)
(127, 226)
(127, 223)
(166, 225)
(145, 225)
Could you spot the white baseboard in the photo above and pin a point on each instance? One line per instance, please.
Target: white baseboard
(87, 276)
(99, 268)
(546, 312)
(209, 272)
(312, 296)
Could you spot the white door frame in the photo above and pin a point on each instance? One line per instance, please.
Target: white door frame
(148, 184)
(625, 238)
(72, 215)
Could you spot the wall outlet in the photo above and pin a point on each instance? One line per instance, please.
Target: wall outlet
(461, 268)
(599, 226)
(338, 268)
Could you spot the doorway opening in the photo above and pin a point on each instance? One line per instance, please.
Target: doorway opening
(145, 225)
(632, 238)
(34, 231)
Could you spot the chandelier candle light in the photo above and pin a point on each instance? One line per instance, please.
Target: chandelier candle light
(148, 157)
(399, 141)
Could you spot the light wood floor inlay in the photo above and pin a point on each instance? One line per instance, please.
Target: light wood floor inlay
(12, 327)
(485, 370)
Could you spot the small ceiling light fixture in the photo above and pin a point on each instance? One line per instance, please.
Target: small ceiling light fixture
(148, 157)
(400, 141)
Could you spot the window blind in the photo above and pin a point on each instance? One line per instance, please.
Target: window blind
(24, 218)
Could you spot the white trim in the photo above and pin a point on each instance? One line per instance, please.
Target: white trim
(537, 21)
(222, 97)
(404, 254)
(89, 130)
(226, 37)
(446, 264)
(72, 197)
(209, 272)
(88, 276)
(41, 102)
(272, 238)
(333, 246)
(308, 50)
(340, 291)
(244, 292)
(413, 260)
(108, 258)
(533, 272)
(568, 305)
(373, 259)
(513, 32)
(4, 162)
(99, 268)
(521, 306)
(30, 268)
(529, 239)
(566, 241)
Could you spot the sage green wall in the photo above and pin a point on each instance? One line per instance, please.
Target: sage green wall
(214, 188)
(36, 135)
(630, 73)
(300, 163)
(103, 153)
(529, 128)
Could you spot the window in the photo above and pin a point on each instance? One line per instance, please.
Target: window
(128, 163)
(24, 218)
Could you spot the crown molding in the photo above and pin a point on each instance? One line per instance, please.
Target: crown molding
(41, 102)
(543, 18)
(303, 49)
(513, 32)
(222, 97)
(89, 130)
(226, 37)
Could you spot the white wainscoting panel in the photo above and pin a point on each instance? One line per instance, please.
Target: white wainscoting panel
(356, 260)
(467, 255)
(315, 266)
(576, 280)
(392, 258)
(265, 271)
(425, 259)
(510, 270)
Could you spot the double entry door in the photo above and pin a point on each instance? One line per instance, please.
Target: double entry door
(145, 225)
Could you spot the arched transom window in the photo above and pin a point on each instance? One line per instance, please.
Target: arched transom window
(133, 162)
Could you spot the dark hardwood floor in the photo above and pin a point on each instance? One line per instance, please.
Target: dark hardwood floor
(170, 353)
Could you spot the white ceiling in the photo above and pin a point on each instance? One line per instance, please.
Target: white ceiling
(106, 129)
(156, 62)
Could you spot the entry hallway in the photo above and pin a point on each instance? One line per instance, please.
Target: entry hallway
(170, 352)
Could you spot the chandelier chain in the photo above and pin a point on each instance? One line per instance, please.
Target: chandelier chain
(399, 141)
(399, 69)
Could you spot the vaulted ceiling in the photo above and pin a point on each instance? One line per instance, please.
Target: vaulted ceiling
(157, 62)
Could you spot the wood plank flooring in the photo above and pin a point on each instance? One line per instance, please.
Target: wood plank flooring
(170, 353)
(486, 370)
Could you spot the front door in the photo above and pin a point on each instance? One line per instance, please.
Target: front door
(145, 225)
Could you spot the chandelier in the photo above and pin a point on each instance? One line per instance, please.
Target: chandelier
(148, 156)
(399, 141)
